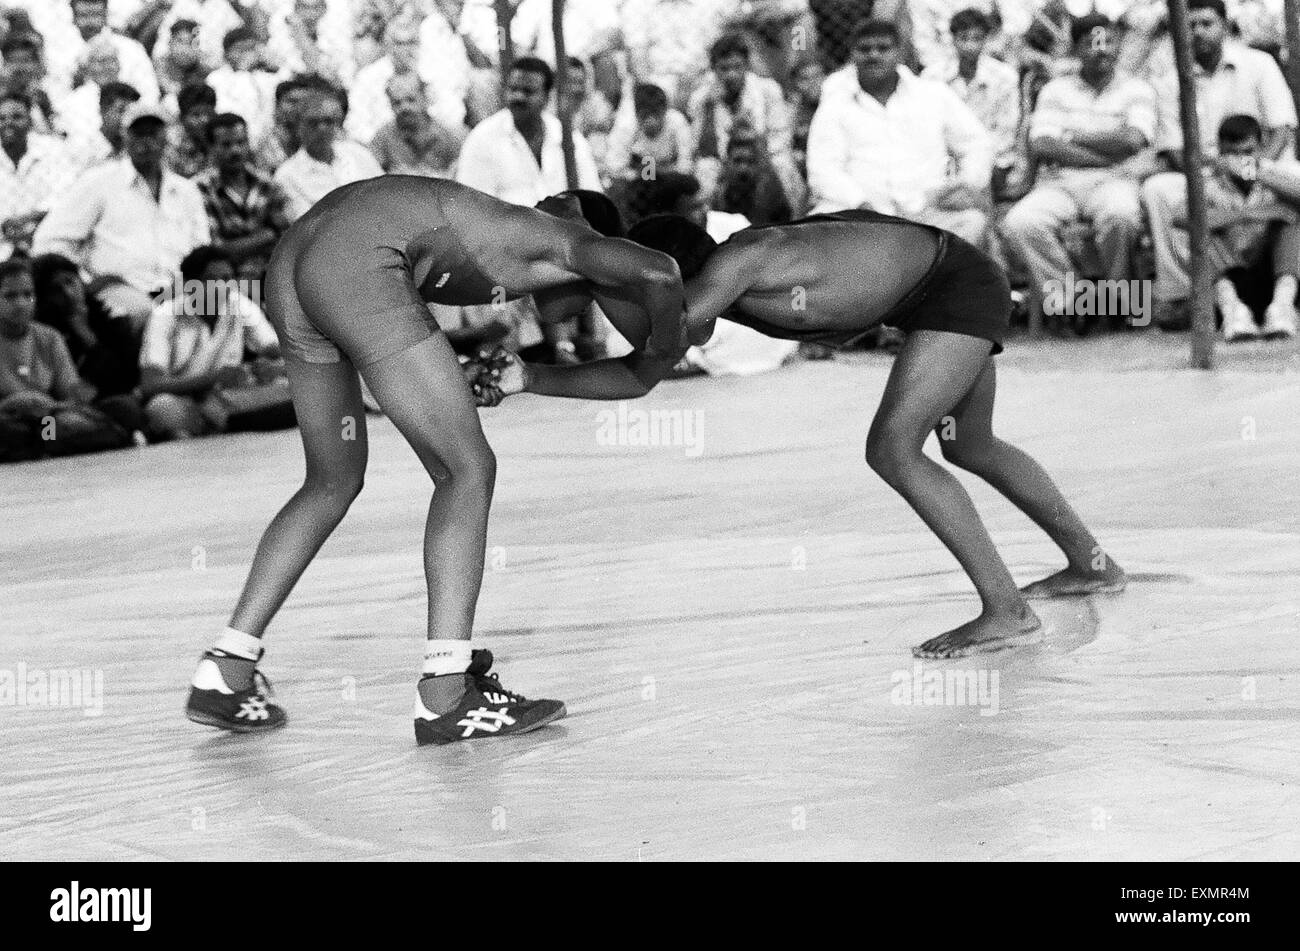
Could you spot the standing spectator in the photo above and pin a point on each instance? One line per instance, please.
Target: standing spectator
(34, 169)
(247, 211)
(324, 161)
(734, 95)
(131, 220)
(180, 61)
(187, 148)
(1083, 132)
(193, 351)
(242, 87)
(24, 72)
(515, 155)
(415, 143)
(886, 145)
(402, 57)
(213, 19)
(650, 137)
(1254, 220)
(989, 87)
(1230, 79)
(91, 20)
(103, 142)
(667, 41)
(314, 36)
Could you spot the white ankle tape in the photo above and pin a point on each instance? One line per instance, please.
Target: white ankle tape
(239, 644)
(446, 657)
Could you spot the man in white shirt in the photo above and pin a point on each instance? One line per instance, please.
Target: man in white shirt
(33, 170)
(883, 139)
(325, 161)
(131, 219)
(404, 41)
(215, 18)
(312, 36)
(241, 87)
(91, 20)
(1083, 133)
(515, 154)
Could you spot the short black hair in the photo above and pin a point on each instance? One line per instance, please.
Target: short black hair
(649, 99)
(601, 213)
(728, 44)
(45, 267)
(531, 64)
(681, 239)
(970, 19)
(239, 34)
(1084, 25)
(1217, 6)
(193, 95)
(116, 91)
(197, 261)
(224, 120)
(1240, 128)
(662, 194)
(325, 89)
(183, 24)
(21, 41)
(16, 267)
(874, 26)
(18, 96)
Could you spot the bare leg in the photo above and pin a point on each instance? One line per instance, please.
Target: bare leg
(423, 391)
(332, 420)
(931, 375)
(968, 442)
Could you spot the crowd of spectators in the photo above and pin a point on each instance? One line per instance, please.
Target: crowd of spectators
(150, 145)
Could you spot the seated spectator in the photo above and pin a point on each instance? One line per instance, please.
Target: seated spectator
(241, 85)
(179, 62)
(1082, 134)
(212, 20)
(46, 406)
(733, 95)
(402, 57)
(192, 370)
(415, 142)
(805, 94)
(34, 169)
(187, 146)
(91, 20)
(281, 140)
(749, 185)
(650, 138)
(247, 210)
(989, 87)
(105, 351)
(79, 110)
(24, 72)
(1253, 211)
(130, 220)
(515, 155)
(314, 37)
(669, 193)
(887, 143)
(324, 161)
(103, 143)
(593, 116)
(1230, 79)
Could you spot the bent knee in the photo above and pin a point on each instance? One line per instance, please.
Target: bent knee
(892, 452)
(475, 469)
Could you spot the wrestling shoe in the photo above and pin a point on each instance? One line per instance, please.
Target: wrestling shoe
(485, 709)
(213, 702)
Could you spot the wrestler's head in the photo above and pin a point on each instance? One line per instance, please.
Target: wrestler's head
(581, 204)
(681, 239)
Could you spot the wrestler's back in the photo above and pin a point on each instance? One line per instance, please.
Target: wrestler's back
(834, 274)
(431, 226)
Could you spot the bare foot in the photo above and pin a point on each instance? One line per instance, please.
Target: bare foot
(985, 634)
(1070, 582)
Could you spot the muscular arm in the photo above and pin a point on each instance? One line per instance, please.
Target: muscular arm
(1116, 144)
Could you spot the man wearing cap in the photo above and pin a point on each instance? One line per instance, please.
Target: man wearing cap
(131, 220)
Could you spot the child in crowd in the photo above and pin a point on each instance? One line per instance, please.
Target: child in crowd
(241, 85)
(654, 138)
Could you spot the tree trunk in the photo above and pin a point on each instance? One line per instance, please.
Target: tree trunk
(1291, 22)
(505, 47)
(561, 94)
